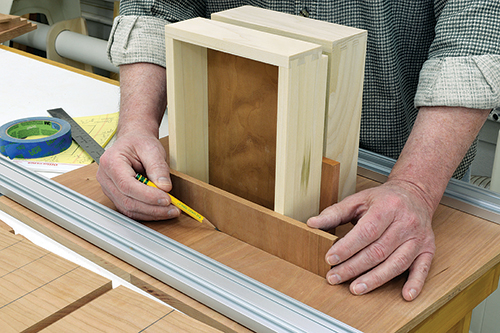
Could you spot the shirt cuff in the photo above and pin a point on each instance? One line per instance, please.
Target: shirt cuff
(472, 82)
(137, 39)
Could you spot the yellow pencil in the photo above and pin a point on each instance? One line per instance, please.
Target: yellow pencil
(177, 203)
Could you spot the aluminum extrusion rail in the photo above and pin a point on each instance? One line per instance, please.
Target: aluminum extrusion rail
(460, 195)
(247, 301)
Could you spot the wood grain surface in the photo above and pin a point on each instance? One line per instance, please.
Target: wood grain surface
(242, 116)
(38, 287)
(122, 310)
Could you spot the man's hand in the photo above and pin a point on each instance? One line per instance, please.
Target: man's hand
(119, 164)
(137, 148)
(392, 234)
(393, 230)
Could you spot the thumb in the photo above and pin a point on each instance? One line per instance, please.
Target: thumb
(158, 171)
(328, 219)
(337, 214)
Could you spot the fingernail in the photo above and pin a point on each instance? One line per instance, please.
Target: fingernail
(360, 289)
(333, 260)
(334, 279)
(412, 293)
(163, 181)
(163, 202)
(173, 212)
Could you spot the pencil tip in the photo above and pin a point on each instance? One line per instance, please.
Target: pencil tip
(210, 223)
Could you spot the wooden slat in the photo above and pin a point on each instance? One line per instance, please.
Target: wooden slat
(346, 48)
(188, 108)
(301, 114)
(6, 227)
(13, 26)
(38, 288)
(330, 172)
(122, 310)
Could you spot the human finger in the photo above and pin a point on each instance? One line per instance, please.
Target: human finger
(419, 271)
(368, 229)
(348, 210)
(396, 264)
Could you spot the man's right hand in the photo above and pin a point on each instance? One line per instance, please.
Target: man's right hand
(130, 154)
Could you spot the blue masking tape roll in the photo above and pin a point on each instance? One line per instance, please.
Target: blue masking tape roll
(50, 136)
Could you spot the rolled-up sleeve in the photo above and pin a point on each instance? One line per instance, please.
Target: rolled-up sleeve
(463, 68)
(137, 39)
(472, 82)
(138, 33)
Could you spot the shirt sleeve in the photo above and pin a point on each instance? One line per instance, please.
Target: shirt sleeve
(463, 67)
(138, 33)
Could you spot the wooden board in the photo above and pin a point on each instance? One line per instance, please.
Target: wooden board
(255, 225)
(330, 173)
(272, 232)
(242, 110)
(124, 311)
(6, 227)
(346, 49)
(13, 26)
(37, 287)
(301, 89)
(119, 268)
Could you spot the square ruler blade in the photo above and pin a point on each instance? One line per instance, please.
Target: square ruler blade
(80, 135)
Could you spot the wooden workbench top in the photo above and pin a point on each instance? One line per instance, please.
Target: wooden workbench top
(467, 256)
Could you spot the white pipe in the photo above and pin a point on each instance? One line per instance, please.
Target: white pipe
(36, 38)
(88, 50)
(71, 45)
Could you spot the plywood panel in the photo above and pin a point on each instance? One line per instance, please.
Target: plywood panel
(124, 311)
(383, 310)
(242, 106)
(37, 287)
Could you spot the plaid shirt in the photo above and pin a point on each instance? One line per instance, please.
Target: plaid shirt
(419, 53)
